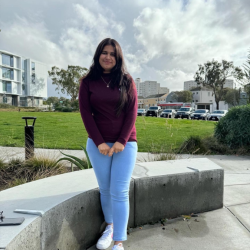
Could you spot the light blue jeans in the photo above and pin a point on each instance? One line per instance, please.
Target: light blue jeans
(113, 176)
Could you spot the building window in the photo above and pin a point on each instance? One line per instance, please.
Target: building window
(7, 86)
(196, 93)
(8, 73)
(33, 78)
(243, 96)
(33, 66)
(7, 60)
(196, 100)
(37, 101)
(23, 76)
(23, 101)
(208, 93)
(5, 99)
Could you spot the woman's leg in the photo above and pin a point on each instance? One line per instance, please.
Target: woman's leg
(102, 168)
(121, 170)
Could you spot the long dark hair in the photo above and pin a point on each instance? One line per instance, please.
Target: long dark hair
(119, 75)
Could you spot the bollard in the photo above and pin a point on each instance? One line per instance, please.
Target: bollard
(29, 138)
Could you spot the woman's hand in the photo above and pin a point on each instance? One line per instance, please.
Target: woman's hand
(117, 147)
(104, 148)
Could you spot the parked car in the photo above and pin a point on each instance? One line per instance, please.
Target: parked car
(200, 114)
(169, 113)
(217, 115)
(184, 112)
(141, 111)
(154, 111)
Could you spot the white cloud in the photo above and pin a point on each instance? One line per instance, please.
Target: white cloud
(161, 40)
(30, 39)
(176, 39)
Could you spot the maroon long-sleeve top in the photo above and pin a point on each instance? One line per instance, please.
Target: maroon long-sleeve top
(97, 105)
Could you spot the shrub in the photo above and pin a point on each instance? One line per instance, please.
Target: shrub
(215, 147)
(6, 106)
(233, 130)
(17, 171)
(58, 109)
(192, 145)
(67, 109)
(80, 163)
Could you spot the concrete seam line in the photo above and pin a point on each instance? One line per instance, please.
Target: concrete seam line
(238, 219)
(244, 203)
(236, 184)
(134, 202)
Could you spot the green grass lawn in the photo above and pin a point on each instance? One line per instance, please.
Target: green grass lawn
(66, 131)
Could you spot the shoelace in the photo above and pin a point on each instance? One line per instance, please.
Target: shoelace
(106, 233)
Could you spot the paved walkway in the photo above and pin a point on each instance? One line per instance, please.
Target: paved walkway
(6, 153)
(225, 228)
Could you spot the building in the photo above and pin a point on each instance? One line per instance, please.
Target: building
(152, 100)
(188, 85)
(148, 88)
(163, 90)
(203, 98)
(23, 81)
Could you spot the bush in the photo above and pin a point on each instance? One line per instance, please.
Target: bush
(58, 109)
(233, 130)
(193, 145)
(67, 109)
(17, 171)
(6, 106)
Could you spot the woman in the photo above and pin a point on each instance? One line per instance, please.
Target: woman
(108, 106)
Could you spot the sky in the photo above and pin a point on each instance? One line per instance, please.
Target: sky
(162, 40)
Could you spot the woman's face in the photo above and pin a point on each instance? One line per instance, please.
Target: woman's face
(107, 58)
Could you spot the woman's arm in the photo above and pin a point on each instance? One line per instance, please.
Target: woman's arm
(130, 117)
(86, 113)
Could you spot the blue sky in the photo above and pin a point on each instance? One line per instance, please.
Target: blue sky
(161, 40)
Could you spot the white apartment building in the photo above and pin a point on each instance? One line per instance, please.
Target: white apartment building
(148, 88)
(163, 90)
(192, 84)
(23, 81)
(203, 98)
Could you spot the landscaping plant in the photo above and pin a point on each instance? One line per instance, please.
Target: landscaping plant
(233, 130)
(81, 164)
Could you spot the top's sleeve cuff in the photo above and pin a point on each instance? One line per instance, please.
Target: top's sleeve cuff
(122, 141)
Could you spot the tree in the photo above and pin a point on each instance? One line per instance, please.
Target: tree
(214, 74)
(183, 96)
(232, 97)
(67, 80)
(245, 81)
(52, 99)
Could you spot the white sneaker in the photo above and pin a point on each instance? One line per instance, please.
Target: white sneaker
(118, 247)
(106, 238)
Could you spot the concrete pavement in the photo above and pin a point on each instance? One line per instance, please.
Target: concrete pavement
(226, 228)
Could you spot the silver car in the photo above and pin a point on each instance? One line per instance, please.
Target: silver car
(168, 113)
(200, 114)
(217, 115)
(141, 112)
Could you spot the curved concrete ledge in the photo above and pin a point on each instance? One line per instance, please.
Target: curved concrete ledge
(72, 211)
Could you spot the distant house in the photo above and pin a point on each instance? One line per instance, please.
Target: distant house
(243, 98)
(151, 100)
(203, 98)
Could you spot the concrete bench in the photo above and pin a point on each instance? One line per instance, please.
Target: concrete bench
(72, 214)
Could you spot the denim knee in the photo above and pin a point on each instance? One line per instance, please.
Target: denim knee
(105, 192)
(119, 195)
